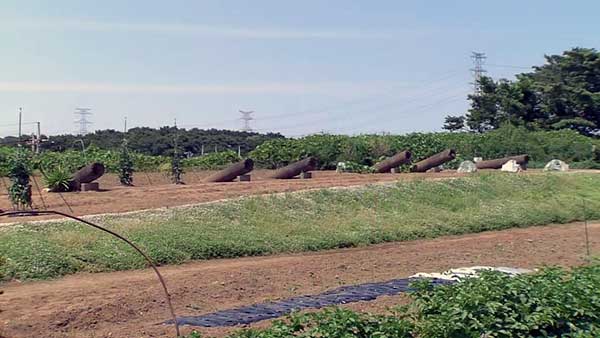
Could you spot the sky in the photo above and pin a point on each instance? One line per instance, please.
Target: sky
(337, 66)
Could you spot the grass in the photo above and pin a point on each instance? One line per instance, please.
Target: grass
(295, 222)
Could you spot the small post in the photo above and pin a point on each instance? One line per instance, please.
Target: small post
(202, 150)
(585, 224)
(39, 138)
(239, 151)
(20, 115)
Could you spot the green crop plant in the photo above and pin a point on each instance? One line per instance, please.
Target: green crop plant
(19, 171)
(125, 165)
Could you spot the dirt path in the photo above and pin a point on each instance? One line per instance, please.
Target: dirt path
(129, 304)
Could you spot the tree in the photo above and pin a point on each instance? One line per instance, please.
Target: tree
(562, 93)
(151, 141)
(454, 123)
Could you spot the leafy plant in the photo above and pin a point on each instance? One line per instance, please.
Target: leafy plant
(125, 165)
(333, 322)
(176, 167)
(176, 170)
(553, 303)
(57, 179)
(19, 171)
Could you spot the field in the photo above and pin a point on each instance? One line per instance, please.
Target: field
(153, 190)
(129, 304)
(415, 211)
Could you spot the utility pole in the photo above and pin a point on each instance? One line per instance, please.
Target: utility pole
(175, 139)
(125, 125)
(83, 121)
(38, 139)
(20, 117)
(477, 70)
(246, 117)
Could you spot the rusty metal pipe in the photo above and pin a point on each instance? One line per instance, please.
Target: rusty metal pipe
(295, 168)
(87, 174)
(497, 163)
(230, 173)
(434, 161)
(392, 162)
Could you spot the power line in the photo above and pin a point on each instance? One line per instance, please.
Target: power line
(478, 71)
(83, 121)
(507, 66)
(15, 124)
(386, 92)
(342, 105)
(371, 113)
(407, 112)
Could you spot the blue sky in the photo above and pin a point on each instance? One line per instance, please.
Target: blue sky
(303, 67)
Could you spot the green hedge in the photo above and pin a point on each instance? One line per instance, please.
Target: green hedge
(542, 146)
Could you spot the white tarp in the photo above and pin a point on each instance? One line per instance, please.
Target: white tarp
(469, 272)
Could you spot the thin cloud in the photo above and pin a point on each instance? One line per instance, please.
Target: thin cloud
(258, 88)
(193, 29)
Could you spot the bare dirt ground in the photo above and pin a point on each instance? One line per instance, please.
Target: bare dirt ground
(153, 190)
(130, 304)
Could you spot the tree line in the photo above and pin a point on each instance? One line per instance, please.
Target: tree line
(155, 141)
(563, 93)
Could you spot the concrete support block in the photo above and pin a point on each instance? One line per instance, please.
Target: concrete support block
(92, 186)
(305, 175)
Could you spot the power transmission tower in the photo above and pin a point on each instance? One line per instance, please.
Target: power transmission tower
(83, 121)
(246, 118)
(477, 70)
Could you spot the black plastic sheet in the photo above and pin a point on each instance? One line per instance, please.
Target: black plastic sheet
(269, 310)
